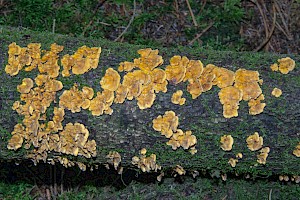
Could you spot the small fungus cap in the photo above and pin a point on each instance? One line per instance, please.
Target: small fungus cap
(226, 142)
(111, 80)
(286, 65)
(26, 85)
(224, 77)
(254, 142)
(177, 99)
(276, 92)
(176, 70)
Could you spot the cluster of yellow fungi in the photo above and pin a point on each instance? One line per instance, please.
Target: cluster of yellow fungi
(37, 132)
(255, 143)
(233, 161)
(286, 178)
(146, 163)
(285, 65)
(296, 151)
(167, 125)
(142, 79)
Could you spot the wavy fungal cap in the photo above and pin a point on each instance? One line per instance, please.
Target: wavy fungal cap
(254, 142)
(226, 142)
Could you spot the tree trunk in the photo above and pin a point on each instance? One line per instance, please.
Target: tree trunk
(129, 129)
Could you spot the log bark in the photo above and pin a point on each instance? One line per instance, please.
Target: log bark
(129, 129)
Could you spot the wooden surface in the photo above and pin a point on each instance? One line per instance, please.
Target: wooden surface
(129, 129)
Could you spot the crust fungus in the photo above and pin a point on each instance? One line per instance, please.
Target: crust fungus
(177, 98)
(262, 157)
(194, 88)
(149, 59)
(26, 85)
(226, 142)
(207, 77)
(84, 59)
(121, 94)
(166, 124)
(286, 65)
(146, 98)
(111, 80)
(254, 142)
(247, 81)
(101, 103)
(194, 70)
(224, 77)
(74, 141)
(176, 70)
(256, 107)
(239, 155)
(159, 80)
(233, 162)
(296, 151)
(184, 139)
(15, 142)
(274, 67)
(230, 97)
(276, 92)
(146, 164)
(114, 158)
(179, 170)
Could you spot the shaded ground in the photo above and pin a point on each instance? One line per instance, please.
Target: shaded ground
(227, 24)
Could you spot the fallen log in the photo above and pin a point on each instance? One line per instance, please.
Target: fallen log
(129, 129)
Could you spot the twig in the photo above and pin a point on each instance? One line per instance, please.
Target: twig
(200, 34)
(53, 26)
(286, 32)
(131, 20)
(202, 7)
(263, 16)
(268, 37)
(270, 194)
(191, 12)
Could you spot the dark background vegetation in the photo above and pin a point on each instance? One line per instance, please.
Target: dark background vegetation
(240, 25)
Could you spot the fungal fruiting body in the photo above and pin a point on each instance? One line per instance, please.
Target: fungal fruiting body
(262, 157)
(233, 162)
(254, 142)
(177, 98)
(167, 125)
(296, 151)
(36, 131)
(226, 142)
(146, 163)
(276, 92)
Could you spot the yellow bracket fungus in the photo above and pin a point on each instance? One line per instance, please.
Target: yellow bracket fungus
(254, 142)
(226, 142)
(111, 80)
(114, 158)
(26, 86)
(166, 124)
(83, 60)
(230, 97)
(179, 171)
(262, 157)
(176, 70)
(296, 151)
(286, 65)
(233, 162)
(146, 164)
(276, 92)
(256, 107)
(177, 99)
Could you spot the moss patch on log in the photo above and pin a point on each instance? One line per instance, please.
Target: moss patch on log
(129, 129)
